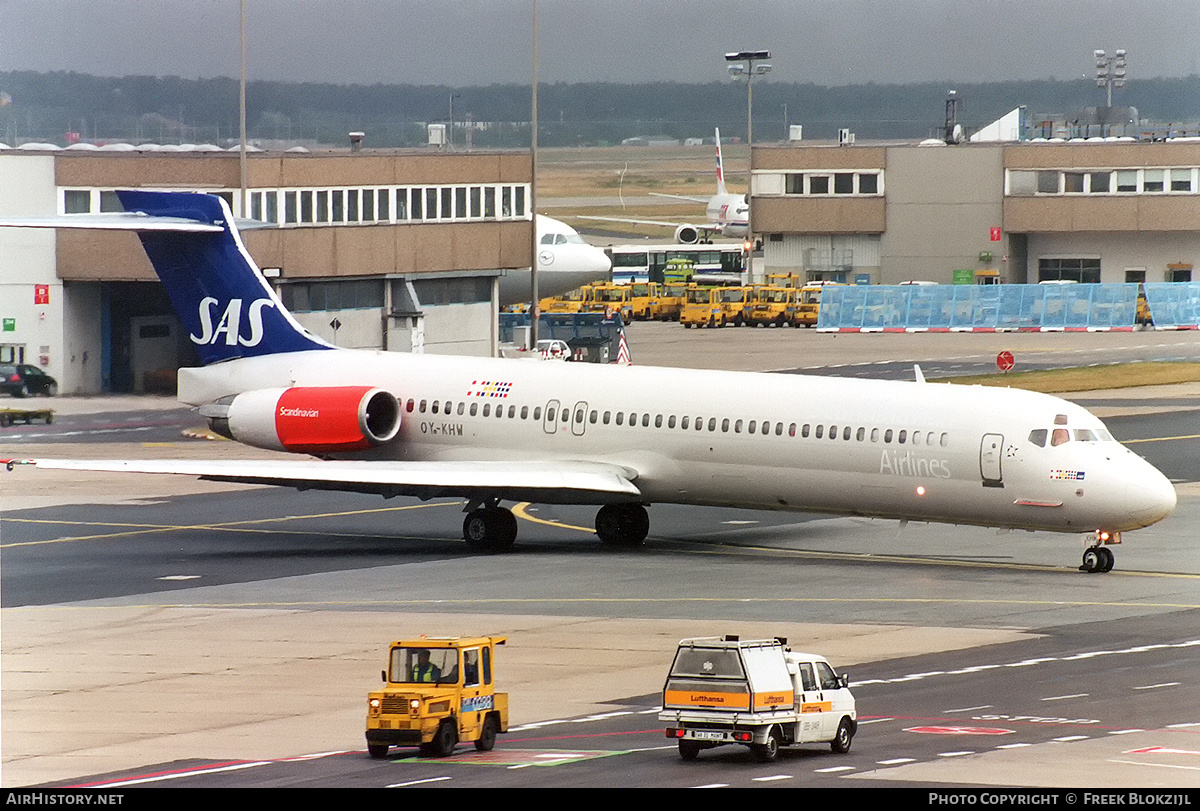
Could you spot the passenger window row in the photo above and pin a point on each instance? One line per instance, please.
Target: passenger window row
(685, 423)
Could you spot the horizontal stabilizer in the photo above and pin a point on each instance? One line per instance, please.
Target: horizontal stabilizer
(116, 221)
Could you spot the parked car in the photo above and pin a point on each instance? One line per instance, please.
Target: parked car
(22, 380)
(554, 349)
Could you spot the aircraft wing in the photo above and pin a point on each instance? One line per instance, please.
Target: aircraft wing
(707, 228)
(680, 197)
(543, 481)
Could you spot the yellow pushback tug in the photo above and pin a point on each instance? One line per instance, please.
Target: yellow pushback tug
(438, 692)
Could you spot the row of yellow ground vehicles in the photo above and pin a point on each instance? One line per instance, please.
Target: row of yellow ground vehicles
(781, 302)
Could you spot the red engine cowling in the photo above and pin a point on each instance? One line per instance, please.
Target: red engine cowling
(312, 419)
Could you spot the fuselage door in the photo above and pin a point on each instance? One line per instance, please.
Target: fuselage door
(990, 449)
(579, 418)
(550, 421)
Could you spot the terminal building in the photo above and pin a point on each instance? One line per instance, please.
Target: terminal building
(1022, 212)
(398, 250)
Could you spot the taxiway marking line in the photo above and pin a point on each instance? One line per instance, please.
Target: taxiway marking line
(231, 526)
(1159, 439)
(720, 548)
(584, 601)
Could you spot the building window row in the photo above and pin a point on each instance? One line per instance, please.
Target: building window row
(369, 294)
(343, 294)
(1032, 183)
(834, 184)
(351, 206)
(1085, 270)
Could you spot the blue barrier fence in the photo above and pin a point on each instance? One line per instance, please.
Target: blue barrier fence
(1005, 307)
(1174, 305)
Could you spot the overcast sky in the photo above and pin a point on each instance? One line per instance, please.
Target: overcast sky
(480, 42)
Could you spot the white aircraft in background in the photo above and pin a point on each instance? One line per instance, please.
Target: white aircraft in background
(728, 214)
(565, 262)
(618, 437)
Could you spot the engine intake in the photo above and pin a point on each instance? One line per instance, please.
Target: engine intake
(687, 235)
(310, 419)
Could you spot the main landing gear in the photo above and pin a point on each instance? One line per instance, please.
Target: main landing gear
(490, 528)
(1098, 558)
(622, 524)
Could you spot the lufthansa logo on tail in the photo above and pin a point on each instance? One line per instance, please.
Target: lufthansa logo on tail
(230, 322)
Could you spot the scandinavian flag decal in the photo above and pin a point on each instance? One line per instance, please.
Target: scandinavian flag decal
(1070, 475)
(488, 388)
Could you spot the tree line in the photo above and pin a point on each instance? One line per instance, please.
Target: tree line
(59, 107)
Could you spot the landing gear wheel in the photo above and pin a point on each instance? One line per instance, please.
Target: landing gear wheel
(622, 524)
(768, 752)
(490, 529)
(688, 750)
(487, 736)
(1097, 560)
(1091, 560)
(841, 744)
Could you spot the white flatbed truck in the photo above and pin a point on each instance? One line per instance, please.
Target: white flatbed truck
(758, 693)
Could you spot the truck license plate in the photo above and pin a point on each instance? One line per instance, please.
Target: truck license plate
(705, 735)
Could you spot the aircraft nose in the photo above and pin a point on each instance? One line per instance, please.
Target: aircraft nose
(603, 263)
(1151, 497)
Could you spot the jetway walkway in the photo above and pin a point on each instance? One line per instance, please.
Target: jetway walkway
(1005, 307)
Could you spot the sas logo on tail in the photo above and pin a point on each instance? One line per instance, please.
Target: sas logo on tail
(230, 322)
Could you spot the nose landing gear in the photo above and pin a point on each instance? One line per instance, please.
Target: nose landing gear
(1098, 558)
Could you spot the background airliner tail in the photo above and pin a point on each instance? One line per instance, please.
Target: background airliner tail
(720, 165)
(226, 306)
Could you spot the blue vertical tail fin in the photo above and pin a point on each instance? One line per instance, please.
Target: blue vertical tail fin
(226, 306)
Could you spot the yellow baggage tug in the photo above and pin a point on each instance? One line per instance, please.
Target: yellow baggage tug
(438, 692)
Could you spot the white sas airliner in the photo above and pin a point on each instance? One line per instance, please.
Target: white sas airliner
(728, 214)
(618, 437)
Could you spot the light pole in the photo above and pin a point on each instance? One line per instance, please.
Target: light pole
(749, 70)
(242, 119)
(1110, 70)
(533, 159)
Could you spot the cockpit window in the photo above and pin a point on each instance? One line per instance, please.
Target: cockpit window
(1038, 437)
(1060, 437)
(1084, 435)
(1060, 419)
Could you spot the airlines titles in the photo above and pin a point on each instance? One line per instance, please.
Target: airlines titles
(894, 463)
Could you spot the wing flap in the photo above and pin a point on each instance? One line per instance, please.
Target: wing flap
(545, 482)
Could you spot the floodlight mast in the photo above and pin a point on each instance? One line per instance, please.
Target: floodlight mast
(534, 313)
(1110, 70)
(749, 70)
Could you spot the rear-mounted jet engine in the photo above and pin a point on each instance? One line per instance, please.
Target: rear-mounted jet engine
(308, 419)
